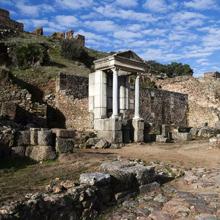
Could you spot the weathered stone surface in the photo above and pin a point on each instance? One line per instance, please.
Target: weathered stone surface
(64, 133)
(127, 174)
(206, 216)
(102, 144)
(45, 138)
(161, 139)
(34, 136)
(91, 142)
(182, 136)
(7, 23)
(194, 132)
(69, 34)
(207, 132)
(40, 153)
(95, 179)
(38, 31)
(64, 145)
(58, 35)
(23, 138)
(18, 151)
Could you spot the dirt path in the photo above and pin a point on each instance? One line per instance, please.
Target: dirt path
(189, 154)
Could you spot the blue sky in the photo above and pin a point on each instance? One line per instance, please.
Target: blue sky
(185, 31)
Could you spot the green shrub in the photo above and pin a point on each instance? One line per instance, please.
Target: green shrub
(28, 55)
(71, 50)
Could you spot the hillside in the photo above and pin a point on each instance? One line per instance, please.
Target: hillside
(37, 74)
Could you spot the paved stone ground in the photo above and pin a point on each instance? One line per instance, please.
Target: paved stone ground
(194, 196)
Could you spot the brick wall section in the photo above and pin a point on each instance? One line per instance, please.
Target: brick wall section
(72, 100)
(6, 22)
(163, 107)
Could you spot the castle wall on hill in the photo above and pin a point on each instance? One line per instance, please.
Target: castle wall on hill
(7, 23)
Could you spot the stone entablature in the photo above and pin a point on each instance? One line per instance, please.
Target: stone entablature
(7, 23)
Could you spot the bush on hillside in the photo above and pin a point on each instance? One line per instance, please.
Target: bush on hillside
(71, 50)
(171, 70)
(24, 56)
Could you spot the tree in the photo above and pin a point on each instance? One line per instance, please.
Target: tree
(171, 70)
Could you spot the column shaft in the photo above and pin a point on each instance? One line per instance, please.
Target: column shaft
(115, 94)
(137, 98)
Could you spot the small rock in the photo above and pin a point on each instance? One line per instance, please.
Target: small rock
(95, 178)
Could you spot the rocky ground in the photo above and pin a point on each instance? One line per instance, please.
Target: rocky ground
(196, 195)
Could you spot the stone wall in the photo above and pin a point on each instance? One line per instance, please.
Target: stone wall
(7, 23)
(16, 103)
(163, 107)
(72, 100)
(203, 98)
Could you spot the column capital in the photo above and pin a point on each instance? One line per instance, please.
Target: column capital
(116, 69)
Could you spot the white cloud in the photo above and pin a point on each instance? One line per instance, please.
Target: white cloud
(33, 10)
(102, 26)
(113, 12)
(127, 3)
(201, 4)
(75, 4)
(66, 20)
(187, 19)
(153, 54)
(125, 35)
(157, 5)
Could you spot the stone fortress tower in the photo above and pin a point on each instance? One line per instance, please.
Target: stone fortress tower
(7, 23)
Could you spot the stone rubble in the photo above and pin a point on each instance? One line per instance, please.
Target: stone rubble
(199, 199)
(86, 200)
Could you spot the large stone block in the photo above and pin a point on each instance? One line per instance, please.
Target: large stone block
(165, 129)
(100, 113)
(161, 139)
(18, 151)
(108, 124)
(45, 138)
(182, 136)
(40, 153)
(98, 179)
(138, 125)
(34, 136)
(127, 175)
(64, 133)
(111, 136)
(64, 145)
(23, 138)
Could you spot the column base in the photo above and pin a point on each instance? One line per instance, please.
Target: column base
(110, 129)
(138, 125)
